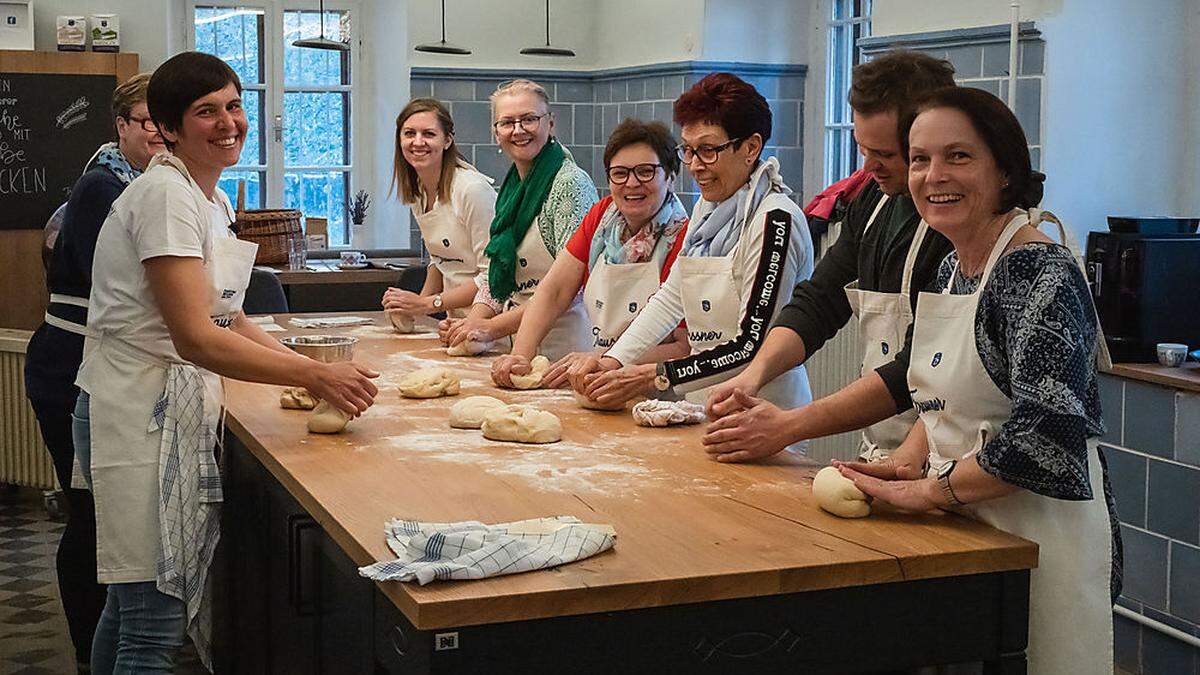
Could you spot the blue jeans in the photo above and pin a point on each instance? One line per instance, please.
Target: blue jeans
(140, 631)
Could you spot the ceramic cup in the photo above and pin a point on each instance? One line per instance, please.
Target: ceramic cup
(353, 258)
(1171, 354)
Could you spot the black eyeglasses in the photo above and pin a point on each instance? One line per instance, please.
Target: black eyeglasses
(146, 122)
(707, 153)
(527, 122)
(643, 173)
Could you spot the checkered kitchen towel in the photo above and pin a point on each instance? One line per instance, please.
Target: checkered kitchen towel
(473, 550)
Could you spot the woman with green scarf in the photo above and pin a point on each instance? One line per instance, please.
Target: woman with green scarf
(541, 203)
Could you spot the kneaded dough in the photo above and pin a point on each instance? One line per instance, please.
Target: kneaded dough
(297, 398)
(469, 348)
(469, 412)
(588, 404)
(656, 413)
(429, 383)
(533, 379)
(523, 424)
(327, 419)
(403, 323)
(838, 495)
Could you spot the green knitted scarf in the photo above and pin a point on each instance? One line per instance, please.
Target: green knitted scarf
(517, 205)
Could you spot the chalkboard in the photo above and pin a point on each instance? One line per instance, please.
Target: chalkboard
(49, 126)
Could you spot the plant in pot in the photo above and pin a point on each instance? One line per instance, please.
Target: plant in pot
(358, 211)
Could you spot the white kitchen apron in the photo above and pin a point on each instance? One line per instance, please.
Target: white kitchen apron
(450, 247)
(571, 332)
(710, 287)
(613, 296)
(883, 320)
(1070, 609)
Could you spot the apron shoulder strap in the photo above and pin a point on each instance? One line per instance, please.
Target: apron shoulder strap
(910, 260)
(875, 213)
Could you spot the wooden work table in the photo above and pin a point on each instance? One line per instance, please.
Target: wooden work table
(692, 534)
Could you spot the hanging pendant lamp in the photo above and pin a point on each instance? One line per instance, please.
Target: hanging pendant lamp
(547, 50)
(322, 42)
(442, 47)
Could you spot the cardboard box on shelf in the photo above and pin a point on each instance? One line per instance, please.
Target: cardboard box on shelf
(317, 232)
(71, 33)
(106, 33)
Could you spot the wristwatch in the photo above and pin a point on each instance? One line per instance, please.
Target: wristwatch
(437, 301)
(943, 480)
(661, 382)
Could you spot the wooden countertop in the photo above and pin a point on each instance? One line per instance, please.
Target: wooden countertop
(1186, 377)
(326, 271)
(689, 529)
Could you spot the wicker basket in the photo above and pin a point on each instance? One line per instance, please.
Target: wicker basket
(271, 229)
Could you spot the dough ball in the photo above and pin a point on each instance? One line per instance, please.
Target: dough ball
(522, 424)
(469, 348)
(429, 383)
(589, 404)
(837, 494)
(469, 412)
(297, 398)
(327, 419)
(533, 379)
(403, 323)
(656, 413)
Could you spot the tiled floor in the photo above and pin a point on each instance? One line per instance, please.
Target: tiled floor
(33, 630)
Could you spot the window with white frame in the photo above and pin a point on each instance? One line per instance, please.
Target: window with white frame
(849, 20)
(297, 101)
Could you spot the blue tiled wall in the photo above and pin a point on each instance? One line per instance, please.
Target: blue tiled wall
(588, 105)
(980, 60)
(1152, 448)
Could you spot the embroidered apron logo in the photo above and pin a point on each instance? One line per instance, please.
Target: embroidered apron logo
(937, 358)
(446, 243)
(228, 293)
(931, 405)
(523, 262)
(599, 304)
(883, 347)
(705, 305)
(633, 308)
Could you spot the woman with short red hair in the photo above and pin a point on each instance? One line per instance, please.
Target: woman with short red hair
(746, 247)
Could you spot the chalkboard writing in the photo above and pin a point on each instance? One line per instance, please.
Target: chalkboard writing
(49, 126)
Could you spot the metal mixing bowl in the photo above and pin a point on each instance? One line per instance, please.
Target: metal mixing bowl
(326, 348)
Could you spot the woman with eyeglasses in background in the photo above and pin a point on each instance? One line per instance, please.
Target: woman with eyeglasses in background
(542, 200)
(56, 348)
(618, 257)
(747, 245)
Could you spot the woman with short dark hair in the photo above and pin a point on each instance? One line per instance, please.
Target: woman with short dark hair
(164, 325)
(747, 245)
(621, 253)
(1003, 376)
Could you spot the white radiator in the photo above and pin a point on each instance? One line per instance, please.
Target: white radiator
(24, 459)
(833, 367)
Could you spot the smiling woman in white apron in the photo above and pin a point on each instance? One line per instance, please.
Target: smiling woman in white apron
(164, 324)
(453, 203)
(618, 257)
(1003, 375)
(542, 200)
(747, 245)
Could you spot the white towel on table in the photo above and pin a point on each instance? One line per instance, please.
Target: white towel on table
(330, 321)
(473, 550)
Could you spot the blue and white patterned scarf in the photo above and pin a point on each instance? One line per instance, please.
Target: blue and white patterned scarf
(653, 241)
(717, 231)
(110, 157)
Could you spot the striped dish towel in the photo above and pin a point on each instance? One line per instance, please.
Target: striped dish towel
(473, 550)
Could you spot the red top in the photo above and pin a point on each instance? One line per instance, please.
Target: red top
(580, 243)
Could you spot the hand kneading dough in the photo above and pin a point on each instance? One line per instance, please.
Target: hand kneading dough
(837, 494)
(656, 413)
(468, 348)
(327, 419)
(403, 323)
(537, 368)
(429, 383)
(468, 413)
(297, 398)
(522, 424)
(588, 404)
